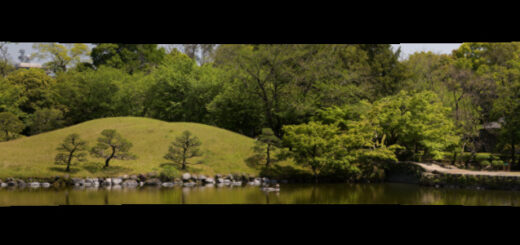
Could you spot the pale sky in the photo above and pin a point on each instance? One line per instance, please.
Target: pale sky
(406, 49)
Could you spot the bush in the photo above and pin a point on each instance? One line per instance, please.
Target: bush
(168, 173)
(483, 156)
(497, 164)
(484, 164)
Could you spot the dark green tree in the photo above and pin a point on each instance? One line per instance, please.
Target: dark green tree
(183, 148)
(72, 147)
(265, 145)
(10, 125)
(112, 146)
(129, 57)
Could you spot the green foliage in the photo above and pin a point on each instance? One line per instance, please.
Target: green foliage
(417, 122)
(45, 120)
(169, 172)
(35, 85)
(61, 55)
(183, 148)
(265, 145)
(71, 148)
(10, 125)
(497, 164)
(128, 57)
(112, 146)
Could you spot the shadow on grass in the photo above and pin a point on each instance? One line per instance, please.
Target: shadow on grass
(190, 168)
(63, 170)
(96, 168)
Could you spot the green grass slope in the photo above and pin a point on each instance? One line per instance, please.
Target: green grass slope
(224, 151)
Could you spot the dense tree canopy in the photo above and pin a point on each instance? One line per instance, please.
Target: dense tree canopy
(377, 106)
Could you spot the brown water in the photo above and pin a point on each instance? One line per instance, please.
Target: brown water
(387, 193)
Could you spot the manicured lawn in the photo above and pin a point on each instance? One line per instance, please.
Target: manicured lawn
(224, 151)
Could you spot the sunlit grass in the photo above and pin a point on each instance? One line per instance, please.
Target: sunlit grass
(224, 151)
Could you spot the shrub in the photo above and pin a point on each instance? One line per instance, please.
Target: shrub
(484, 164)
(497, 164)
(479, 157)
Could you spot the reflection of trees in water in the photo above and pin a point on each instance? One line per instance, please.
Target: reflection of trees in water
(67, 200)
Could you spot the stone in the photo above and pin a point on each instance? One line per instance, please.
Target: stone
(227, 181)
(141, 177)
(237, 183)
(3, 184)
(117, 181)
(125, 177)
(34, 185)
(218, 176)
(130, 183)
(46, 185)
(168, 184)
(229, 177)
(186, 176)
(209, 180)
(134, 177)
(151, 175)
(189, 184)
(153, 182)
(107, 182)
(88, 184)
(202, 177)
(220, 180)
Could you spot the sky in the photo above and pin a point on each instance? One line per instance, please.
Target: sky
(406, 49)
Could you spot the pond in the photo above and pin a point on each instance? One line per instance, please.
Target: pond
(384, 193)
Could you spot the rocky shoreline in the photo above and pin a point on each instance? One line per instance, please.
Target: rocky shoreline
(137, 181)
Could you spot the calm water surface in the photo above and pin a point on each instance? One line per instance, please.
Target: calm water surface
(387, 193)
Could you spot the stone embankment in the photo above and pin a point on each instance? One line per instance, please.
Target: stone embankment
(136, 181)
(431, 174)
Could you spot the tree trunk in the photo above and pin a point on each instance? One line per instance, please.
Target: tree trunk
(512, 154)
(268, 156)
(110, 157)
(106, 162)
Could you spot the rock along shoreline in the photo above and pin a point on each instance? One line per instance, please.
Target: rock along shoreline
(137, 181)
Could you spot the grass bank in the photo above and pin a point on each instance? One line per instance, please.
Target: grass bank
(224, 151)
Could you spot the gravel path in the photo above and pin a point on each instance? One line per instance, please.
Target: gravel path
(429, 167)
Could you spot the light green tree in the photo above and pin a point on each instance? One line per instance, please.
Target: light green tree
(61, 56)
(10, 125)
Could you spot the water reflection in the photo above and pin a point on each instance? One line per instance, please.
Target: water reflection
(388, 193)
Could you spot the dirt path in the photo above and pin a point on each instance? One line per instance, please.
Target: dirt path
(429, 167)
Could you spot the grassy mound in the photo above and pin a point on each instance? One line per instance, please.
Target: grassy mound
(224, 151)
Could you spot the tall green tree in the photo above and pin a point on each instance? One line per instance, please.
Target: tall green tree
(507, 108)
(10, 125)
(129, 57)
(35, 85)
(61, 56)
